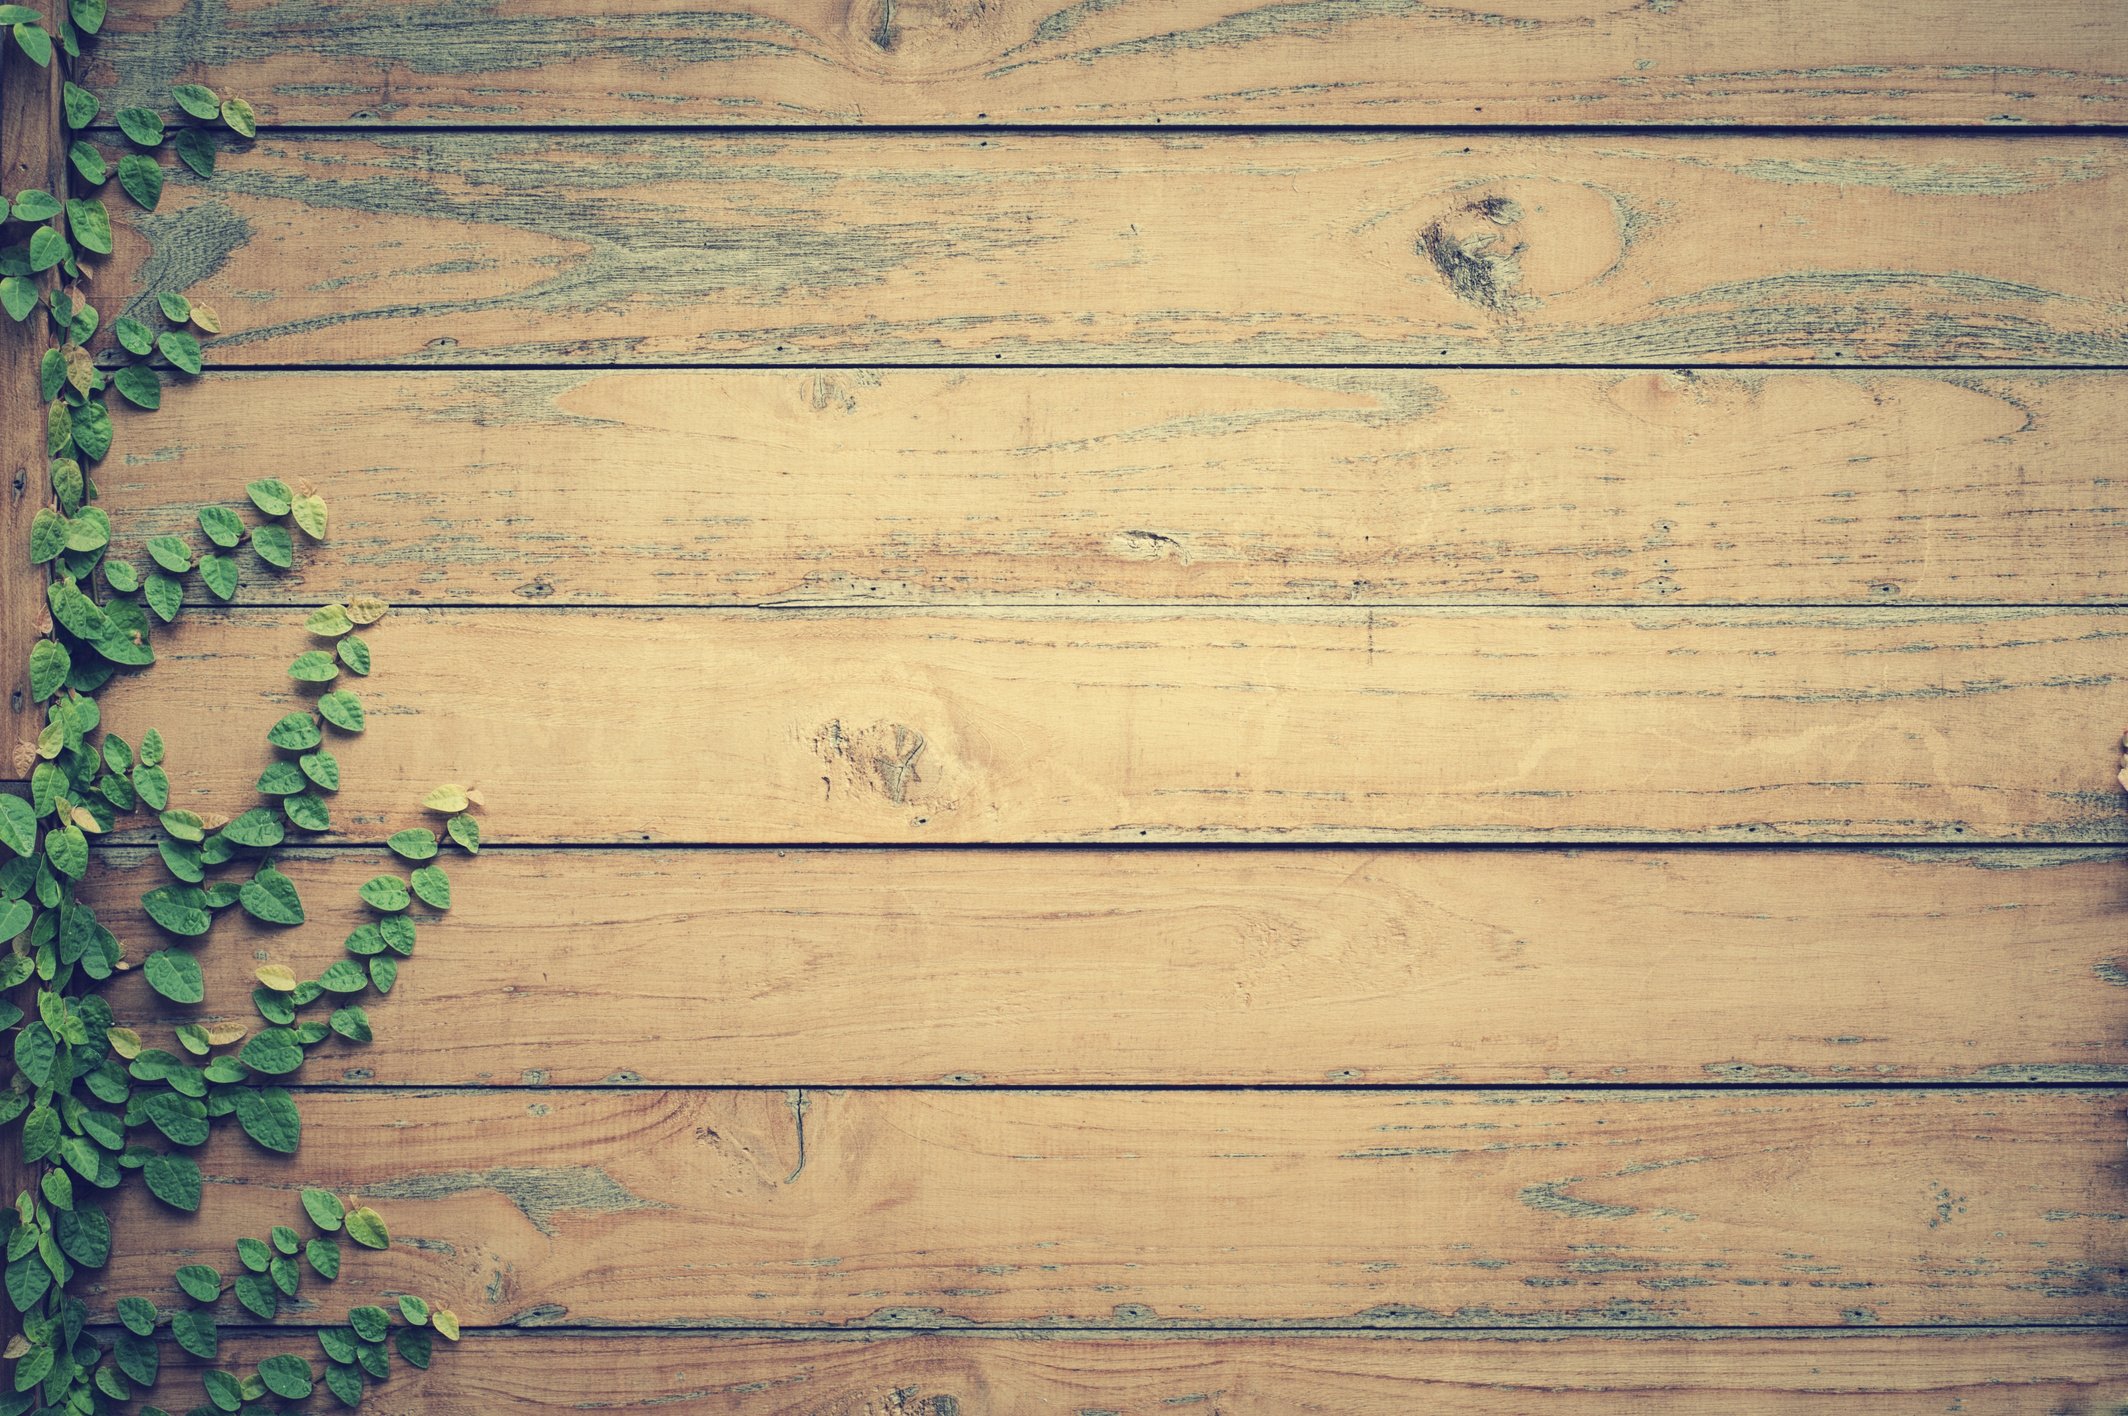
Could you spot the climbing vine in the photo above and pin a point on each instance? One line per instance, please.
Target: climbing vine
(90, 1100)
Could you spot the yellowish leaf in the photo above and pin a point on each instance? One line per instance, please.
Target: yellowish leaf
(366, 609)
(80, 817)
(222, 1034)
(125, 1042)
(278, 977)
(446, 1322)
(449, 797)
(205, 317)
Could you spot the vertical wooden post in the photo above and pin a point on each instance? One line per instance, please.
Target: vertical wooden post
(32, 155)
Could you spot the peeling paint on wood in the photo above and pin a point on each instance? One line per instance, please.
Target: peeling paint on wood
(1191, 1209)
(535, 62)
(1133, 726)
(1150, 249)
(1340, 486)
(1095, 967)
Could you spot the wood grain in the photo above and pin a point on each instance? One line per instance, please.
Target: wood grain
(32, 157)
(697, 968)
(536, 62)
(1087, 486)
(1361, 248)
(1200, 1208)
(1973, 1372)
(794, 727)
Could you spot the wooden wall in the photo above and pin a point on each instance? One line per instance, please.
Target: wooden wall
(1193, 706)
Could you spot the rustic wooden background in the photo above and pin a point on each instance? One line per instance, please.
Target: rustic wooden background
(1195, 706)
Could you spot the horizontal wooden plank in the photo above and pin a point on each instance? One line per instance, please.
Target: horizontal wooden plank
(1429, 1209)
(1048, 61)
(794, 726)
(663, 248)
(1976, 1372)
(1080, 485)
(885, 967)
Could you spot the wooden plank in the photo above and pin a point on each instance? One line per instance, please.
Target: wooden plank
(790, 727)
(32, 157)
(1363, 248)
(1202, 1208)
(539, 62)
(1976, 1372)
(1083, 486)
(696, 968)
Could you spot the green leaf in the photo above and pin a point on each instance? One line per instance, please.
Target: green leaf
(81, 106)
(85, 1234)
(296, 731)
(15, 916)
(92, 430)
(271, 897)
(48, 535)
(466, 832)
(414, 1310)
(366, 1227)
(183, 352)
(122, 576)
(324, 1209)
(176, 308)
(202, 1282)
(88, 15)
(88, 531)
(196, 1333)
(20, 15)
(35, 43)
(175, 974)
(142, 179)
(285, 1239)
(343, 710)
(273, 1051)
(153, 784)
(18, 825)
(223, 1390)
(286, 1376)
(138, 1314)
(324, 1256)
(322, 768)
(254, 1253)
(268, 1114)
(198, 100)
(314, 666)
(164, 593)
(134, 336)
(238, 115)
(35, 204)
(88, 161)
(354, 652)
(271, 495)
(343, 976)
(18, 296)
(170, 553)
(142, 125)
(49, 666)
(219, 575)
(385, 892)
(47, 249)
(414, 843)
(308, 811)
(258, 828)
(195, 148)
(280, 779)
(345, 1383)
(352, 1023)
(141, 386)
(184, 825)
(223, 526)
(91, 225)
(370, 1323)
(175, 1180)
(273, 546)
(66, 850)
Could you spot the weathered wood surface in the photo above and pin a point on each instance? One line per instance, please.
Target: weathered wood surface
(1100, 967)
(1209, 1208)
(536, 62)
(789, 727)
(32, 156)
(1083, 485)
(599, 248)
(1972, 1372)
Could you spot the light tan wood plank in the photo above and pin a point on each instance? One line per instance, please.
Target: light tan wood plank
(595, 248)
(32, 157)
(1205, 1208)
(1097, 967)
(1148, 725)
(1974, 1372)
(1078, 485)
(1049, 61)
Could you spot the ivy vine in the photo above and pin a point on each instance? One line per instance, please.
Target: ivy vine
(89, 1098)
